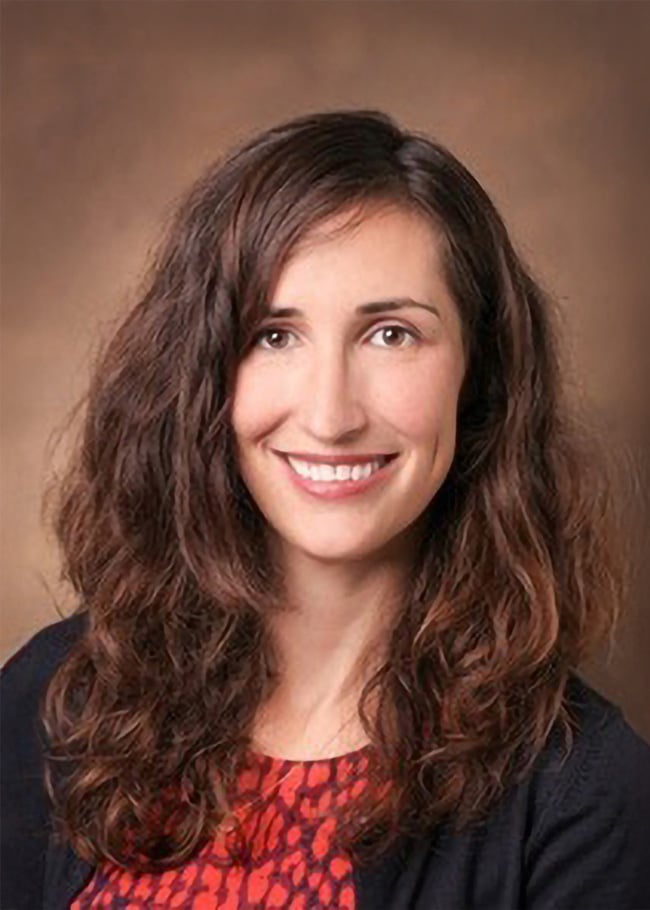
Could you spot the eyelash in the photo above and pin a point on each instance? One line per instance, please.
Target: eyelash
(272, 329)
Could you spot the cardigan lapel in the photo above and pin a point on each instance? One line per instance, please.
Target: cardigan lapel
(65, 875)
(391, 882)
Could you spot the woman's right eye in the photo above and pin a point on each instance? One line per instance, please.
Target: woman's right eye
(271, 334)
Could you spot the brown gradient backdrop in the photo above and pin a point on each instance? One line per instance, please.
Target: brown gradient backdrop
(110, 109)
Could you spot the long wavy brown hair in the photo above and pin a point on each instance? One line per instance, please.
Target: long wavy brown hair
(517, 577)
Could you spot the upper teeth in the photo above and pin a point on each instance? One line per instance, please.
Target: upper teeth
(334, 472)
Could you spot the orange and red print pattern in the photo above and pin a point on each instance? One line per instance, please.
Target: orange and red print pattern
(293, 862)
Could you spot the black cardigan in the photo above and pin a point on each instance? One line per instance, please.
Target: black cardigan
(572, 836)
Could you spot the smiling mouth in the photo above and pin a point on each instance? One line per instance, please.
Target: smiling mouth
(340, 471)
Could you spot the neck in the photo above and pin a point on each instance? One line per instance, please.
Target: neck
(329, 639)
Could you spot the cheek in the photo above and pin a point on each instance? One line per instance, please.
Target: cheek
(422, 404)
(257, 405)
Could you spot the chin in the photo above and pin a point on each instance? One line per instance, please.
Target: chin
(335, 551)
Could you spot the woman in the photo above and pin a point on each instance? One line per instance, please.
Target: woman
(338, 551)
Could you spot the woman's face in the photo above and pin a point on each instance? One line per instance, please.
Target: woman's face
(328, 381)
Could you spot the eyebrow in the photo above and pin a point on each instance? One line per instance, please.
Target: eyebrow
(375, 306)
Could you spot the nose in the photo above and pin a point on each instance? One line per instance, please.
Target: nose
(331, 401)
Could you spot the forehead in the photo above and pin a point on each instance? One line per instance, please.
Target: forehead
(383, 251)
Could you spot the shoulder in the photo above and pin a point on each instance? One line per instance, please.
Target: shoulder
(589, 832)
(602, 743)
(572, 834)
(25, 676)
(25, 808)
(39, 657)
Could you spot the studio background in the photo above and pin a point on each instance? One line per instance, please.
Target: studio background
(110, 109)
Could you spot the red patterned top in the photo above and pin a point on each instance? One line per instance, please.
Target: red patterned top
(293, 863)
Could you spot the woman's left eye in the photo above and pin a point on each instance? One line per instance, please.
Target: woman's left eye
(400, 331)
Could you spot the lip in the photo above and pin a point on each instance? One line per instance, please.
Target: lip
(361, 458)
(338, 489)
